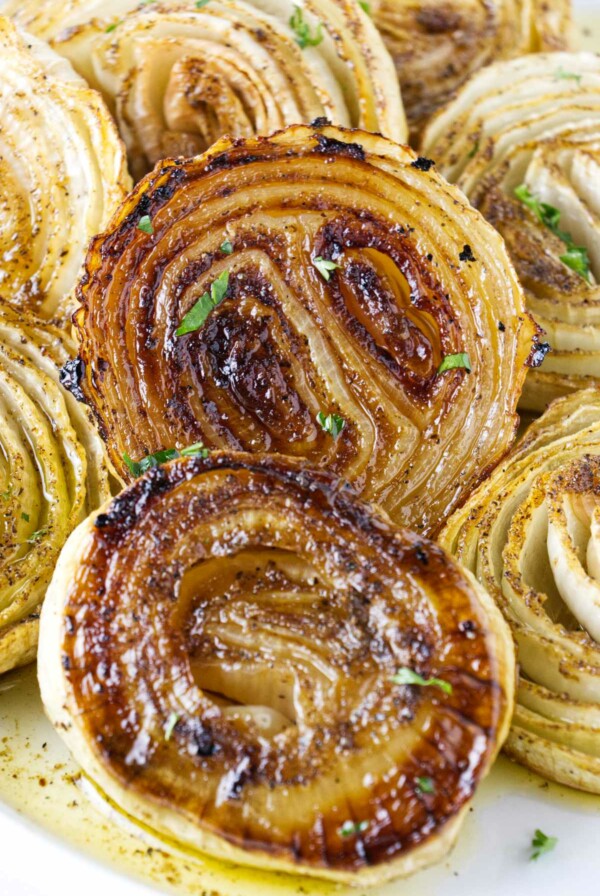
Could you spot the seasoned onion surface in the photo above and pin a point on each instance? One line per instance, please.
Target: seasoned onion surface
(53, 473)
(219, 648)
(531, 533)
(62, 173)
(336, 276)
(180, 77)
(522, 139)
(438, 44)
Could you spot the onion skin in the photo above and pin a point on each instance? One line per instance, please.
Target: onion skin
(438, 44)
(178, 78)
(53, 473)
(535, 122)
(343, 600)
(62, 173)
(531, 534)
(419, 276)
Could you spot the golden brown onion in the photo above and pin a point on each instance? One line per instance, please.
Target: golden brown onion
(354, 271)
(522, 139)
(531, 534)
(222, 650)
(438, 44)
(62, 173)
(52, 474)
(179, 77)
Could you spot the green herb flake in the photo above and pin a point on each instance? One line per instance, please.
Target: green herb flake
(409, 676)
(576, 257)
(35, 536)
(352, 828)
(201, 3)
(541, 844)
(455, 362)
(7, 494)
(304, 36)
(170, 726)
(197, 316)
(145, 224)
(139, 467)
(325, 267)
(226, 247)
(425, 785)
(25, 517)
(113, 27)
(366, 7)
(474, 150)
(562, 75)
(332, 423)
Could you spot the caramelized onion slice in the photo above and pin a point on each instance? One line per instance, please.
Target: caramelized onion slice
(62, 172)
(218, 650)
(531, 534)
(438, 44)
(179, 77)
(353, 271)
(522, 139)
(52, 474)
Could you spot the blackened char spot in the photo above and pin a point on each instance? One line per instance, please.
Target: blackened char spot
(125, 510)
(338, 147)
(422, 164)
(467, 254)
(70, 377)
(321, 122)
(538, 353)
(230, 160)
(200, 737)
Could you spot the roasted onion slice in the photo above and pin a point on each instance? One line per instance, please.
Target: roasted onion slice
(248, 660)
(180, 77)
(438, 44)
(522, 139)
(338, 279)
(62, 173)
(531, 534)
(53, 473)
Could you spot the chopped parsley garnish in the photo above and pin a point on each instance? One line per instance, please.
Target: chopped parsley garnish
(562, 75)
(170, 726)
(304, 36)
(351, 828)
(366, 7)
(325, 266)
(474, 150)
(35, 536)
(332, 423)
(425, 785)
(201, 3)
(455, 362)
(6, 495)
(145, 224)
(25, 517)
(113, 27)
(409, 676)
(197, 316)
(541, 843)
(139, 467)
(576, 257)
(226, 247)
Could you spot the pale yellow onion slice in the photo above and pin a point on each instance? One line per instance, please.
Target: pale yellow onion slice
(418, 277)
(179, 77)
(53, 472)
(219, 649)
(530, 534)
(438, 44)
(62, 172)
(536, 122)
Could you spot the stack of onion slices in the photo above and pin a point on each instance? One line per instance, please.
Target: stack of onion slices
(531, 534)
(52, 474)
(339, 275)
(219, 650)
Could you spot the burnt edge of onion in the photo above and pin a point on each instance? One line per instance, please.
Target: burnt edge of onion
(538, 353)
(71, 375)
(422, 164)
(331, 146)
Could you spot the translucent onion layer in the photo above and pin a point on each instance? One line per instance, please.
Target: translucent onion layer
(178, 78)
(219, 647)
(438, 44)
(52, 474)
(415, 276)
(62, 173)
(533, 126)
(531, 534)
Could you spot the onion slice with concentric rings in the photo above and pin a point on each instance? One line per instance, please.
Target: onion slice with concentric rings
(522, 140)
(319, 293)
(180, 77)
(531, 534)
(53, 473)
(62, 173)
(251, 662)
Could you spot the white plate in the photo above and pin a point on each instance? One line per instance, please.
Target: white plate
(54, 841)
